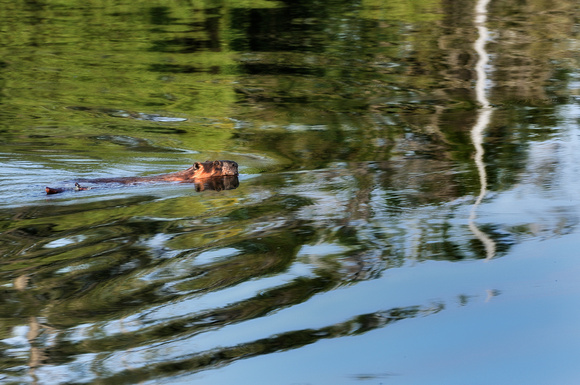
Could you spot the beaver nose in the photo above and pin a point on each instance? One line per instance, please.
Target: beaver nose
(230, 167)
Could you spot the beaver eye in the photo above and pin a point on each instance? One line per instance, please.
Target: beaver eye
(196, 166)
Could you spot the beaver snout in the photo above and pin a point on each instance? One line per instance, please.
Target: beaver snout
(229, 167)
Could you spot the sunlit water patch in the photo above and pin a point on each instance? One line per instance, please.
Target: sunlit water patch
(406, 212)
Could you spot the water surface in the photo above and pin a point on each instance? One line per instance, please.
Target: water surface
(407, 210)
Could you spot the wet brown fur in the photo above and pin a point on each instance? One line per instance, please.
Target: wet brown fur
(199, 170)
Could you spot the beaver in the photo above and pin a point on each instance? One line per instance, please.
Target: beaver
(198, 172)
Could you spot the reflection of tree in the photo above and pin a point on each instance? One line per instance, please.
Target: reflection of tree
(376, 131)
(35, 331)
(112, 285)
(285, 341)
(353, 95)
(523, 73)
(338, 63)
(482, 123)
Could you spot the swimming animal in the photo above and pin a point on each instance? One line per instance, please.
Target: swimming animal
(196, 173)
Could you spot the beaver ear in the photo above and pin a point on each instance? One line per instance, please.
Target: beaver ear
(217, 163)
(196, 166)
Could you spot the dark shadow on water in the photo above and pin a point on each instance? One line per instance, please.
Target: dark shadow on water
(281, 342)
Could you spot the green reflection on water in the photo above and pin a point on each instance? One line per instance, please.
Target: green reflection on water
(357, 115)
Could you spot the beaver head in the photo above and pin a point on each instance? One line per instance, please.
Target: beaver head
(210, 169)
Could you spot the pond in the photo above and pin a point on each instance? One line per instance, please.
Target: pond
(407, 209)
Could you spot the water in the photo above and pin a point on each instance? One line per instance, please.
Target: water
(407, 210)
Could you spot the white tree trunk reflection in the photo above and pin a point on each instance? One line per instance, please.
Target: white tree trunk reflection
(483, 119)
